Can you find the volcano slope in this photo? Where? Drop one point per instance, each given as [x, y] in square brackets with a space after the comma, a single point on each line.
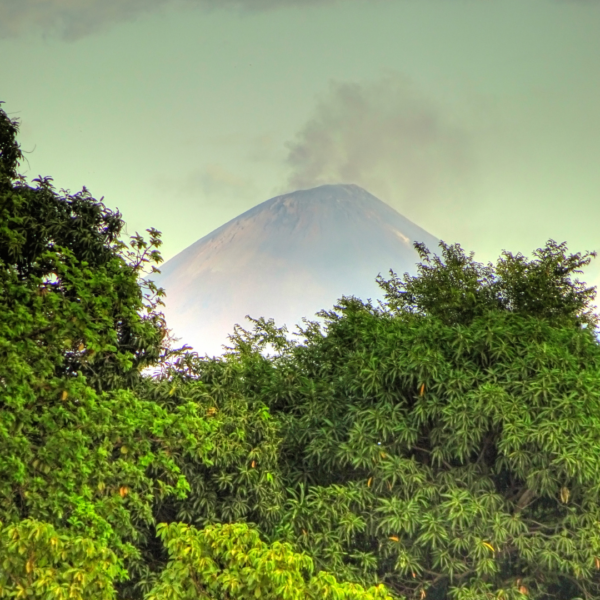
[286, 258]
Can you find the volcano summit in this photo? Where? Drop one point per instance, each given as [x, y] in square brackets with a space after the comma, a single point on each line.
[286, 258]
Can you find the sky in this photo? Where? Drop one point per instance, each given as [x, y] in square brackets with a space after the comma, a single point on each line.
[479, 120]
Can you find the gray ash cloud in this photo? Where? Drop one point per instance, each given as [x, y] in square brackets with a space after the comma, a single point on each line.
[383, 135]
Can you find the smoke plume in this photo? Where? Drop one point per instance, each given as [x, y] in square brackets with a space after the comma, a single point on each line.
[384, 136]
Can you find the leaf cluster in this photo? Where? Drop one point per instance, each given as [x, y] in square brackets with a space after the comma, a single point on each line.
[455, 288]
[230, 561]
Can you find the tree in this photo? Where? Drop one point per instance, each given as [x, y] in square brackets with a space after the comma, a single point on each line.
[447, 442]
[82, 454]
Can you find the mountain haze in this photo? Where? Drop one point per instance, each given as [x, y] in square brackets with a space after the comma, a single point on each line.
[286, 258]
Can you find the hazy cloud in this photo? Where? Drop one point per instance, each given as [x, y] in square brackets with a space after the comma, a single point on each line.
[213, 181]
[73, 19]
[384, 136]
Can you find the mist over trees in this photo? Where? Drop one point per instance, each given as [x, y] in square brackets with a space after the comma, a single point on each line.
[442, 444]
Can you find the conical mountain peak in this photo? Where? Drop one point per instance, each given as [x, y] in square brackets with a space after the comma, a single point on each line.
[286, 258]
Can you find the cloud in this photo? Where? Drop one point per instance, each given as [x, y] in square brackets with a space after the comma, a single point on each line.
[74, 19]
[216, 179]
[384, 136]
[71, 19]
[213, 181]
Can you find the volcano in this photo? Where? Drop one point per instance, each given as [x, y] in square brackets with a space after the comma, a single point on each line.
[286, 258]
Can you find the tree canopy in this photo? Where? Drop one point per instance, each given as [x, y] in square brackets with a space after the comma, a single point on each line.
[83, 455]
[444, 443]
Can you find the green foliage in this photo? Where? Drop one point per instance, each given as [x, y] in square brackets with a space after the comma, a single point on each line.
[445, 452]
[80, 450]
[38, 562]
[448, 442]
[240, 480]
[230, 561]
[10, 152]
[70, 289]
[445, 444]
[456, 289]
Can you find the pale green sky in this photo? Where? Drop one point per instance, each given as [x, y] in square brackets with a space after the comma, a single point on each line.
[479, 120]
